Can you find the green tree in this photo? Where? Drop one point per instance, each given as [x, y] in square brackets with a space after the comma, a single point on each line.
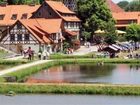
[133, 6]
[123, 4]
[86, 35]
[94, 14]
[110, 33]
[133, 33]
[12, 2]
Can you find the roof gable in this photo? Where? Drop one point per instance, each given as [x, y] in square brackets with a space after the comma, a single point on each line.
[114, 7]
[19, 10]
[59, 7]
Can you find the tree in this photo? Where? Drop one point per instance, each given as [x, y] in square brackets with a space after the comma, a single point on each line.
[15, 2]
[110, 33]
[123, 4]
[133, 33]
[86, 35]
[133, 6]
[94, 14]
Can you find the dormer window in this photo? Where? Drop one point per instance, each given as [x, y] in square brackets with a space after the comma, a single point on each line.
[24, 16]
[2, 17]
[50, 13]
[14, 17]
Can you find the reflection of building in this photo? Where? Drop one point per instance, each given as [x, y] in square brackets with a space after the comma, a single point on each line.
[123, 19]
[44, 26]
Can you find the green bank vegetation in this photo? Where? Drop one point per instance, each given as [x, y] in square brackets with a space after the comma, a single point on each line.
[106, 89]
[12, 62]
[21, 75]
[66, 56]
[70, 89]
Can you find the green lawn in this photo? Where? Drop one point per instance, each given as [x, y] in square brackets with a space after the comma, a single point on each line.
[3, 54]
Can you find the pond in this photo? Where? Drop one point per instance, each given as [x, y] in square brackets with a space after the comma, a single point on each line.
[69, 100]
[90, 73]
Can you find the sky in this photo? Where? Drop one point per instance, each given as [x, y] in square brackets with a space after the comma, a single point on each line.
[116, 1]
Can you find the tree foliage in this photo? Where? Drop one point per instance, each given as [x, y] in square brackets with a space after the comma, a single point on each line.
[94, 14]
[123, 4]
[86, 35]
[15, 2]
[133, 33]
[133, 6]
[110, 33]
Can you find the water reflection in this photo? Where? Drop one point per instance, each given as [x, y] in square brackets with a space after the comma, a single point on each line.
[69, 100]
[90, 73]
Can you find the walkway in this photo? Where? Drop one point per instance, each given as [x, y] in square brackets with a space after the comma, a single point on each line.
[84, 50]
[6, 71]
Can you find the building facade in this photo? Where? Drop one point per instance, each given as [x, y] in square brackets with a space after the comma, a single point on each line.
[46, 28]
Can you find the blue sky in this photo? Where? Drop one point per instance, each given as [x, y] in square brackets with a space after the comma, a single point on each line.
[116, 1]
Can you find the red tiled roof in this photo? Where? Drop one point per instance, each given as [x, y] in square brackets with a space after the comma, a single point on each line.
[71, 18]
[59, 6]
[47, 25]
[61, 9]
[9, 10]
[114, 7]
[127, 16]
[71, 33]
[42, 28]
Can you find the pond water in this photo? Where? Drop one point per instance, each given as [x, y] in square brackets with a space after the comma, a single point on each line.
[69, 100]
[90, 73]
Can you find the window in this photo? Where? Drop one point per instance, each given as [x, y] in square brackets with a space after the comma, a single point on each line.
[14, 17]
[19, 26]
[77, 24]
[39, 14]
[24, 16]
[12, 37]
[71, 25]
[74, 24]
[66, 24]
[26, 37]
[2, 17]
[54, 36]
[50, 13]
[19, 37]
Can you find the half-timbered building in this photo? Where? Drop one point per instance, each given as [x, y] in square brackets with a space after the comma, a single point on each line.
[45, 34]
[70, 22]
[46, 28]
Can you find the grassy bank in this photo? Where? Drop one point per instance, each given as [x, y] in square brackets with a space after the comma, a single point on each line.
[22, 74]
[66, 56]
[70, 89]
[12, 62]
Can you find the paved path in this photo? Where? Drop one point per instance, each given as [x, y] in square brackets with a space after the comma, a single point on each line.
[84, 50]
[6, 71]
